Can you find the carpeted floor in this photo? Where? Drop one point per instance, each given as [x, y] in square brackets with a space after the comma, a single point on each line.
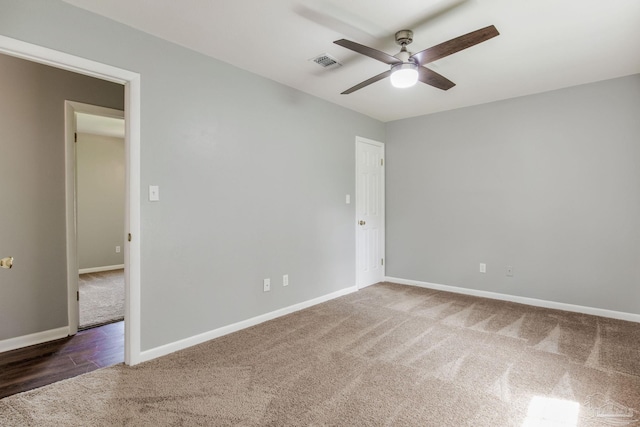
[386, 355]
[101, 297]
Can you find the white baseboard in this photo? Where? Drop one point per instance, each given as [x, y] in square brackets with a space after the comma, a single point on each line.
[33, 339]
[99, 269]
[216, 333]
[631, 317]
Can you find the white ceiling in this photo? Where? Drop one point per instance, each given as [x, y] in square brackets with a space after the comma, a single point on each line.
[543, 44]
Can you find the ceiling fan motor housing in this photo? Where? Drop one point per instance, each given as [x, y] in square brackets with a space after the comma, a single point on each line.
[404, 56]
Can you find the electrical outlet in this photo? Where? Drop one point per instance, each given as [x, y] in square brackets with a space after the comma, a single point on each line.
[267, 285]
[285, 280]
[509, 271]
[483, 267]
[117, 249]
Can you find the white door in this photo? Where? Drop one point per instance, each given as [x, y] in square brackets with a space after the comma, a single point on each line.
[369, 212]
[101, 121]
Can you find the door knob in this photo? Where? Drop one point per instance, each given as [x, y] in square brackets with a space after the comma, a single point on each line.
[6, 262]
[362, 222]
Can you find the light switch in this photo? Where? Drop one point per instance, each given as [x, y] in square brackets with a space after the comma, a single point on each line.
[348, 199]
[154, 193]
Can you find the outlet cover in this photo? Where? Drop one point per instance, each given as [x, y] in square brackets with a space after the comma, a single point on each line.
[267, 285]
[117, 249]
[509, 271]
[285, 280]
[483, 267]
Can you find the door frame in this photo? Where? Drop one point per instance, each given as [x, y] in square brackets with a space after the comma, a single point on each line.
[71, 194]
[361, 140]
[131, 82]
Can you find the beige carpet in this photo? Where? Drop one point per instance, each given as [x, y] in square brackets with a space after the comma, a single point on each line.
[387, 355]
[101, 297]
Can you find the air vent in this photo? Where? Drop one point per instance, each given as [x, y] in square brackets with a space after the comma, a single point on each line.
[326, 61]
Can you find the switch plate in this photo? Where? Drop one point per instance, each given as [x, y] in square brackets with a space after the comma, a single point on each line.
[117, 249]
[285, 280]
[483, 267]
[266, 285]
[348, 199]
[154, 193]
[509, 271]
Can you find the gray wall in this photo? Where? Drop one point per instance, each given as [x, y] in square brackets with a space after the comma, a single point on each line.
[100, 196]
[252, 176]
[33, 294]
[548, 184]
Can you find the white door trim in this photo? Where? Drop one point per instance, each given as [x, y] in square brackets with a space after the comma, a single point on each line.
[131, 82]
[361, 140]
[70, 108]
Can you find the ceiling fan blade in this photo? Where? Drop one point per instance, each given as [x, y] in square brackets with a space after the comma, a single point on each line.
[430, 77]
[455, 45]
[368, 51]
[367, 82]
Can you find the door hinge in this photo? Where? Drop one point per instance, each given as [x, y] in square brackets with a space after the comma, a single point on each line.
[75, 137]
[77, 295]
[129, 237]
[381, 261]
[381, 162]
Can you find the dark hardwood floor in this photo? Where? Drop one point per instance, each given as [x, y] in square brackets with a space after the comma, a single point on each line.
[32, 367]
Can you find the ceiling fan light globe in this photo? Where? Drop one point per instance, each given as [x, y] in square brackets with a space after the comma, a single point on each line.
[404, 75]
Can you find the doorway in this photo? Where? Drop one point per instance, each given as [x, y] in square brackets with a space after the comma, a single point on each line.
[370, 223]
[131, 82]
[99, 199]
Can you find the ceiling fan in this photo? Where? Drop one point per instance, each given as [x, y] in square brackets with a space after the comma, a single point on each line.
[407, 68]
